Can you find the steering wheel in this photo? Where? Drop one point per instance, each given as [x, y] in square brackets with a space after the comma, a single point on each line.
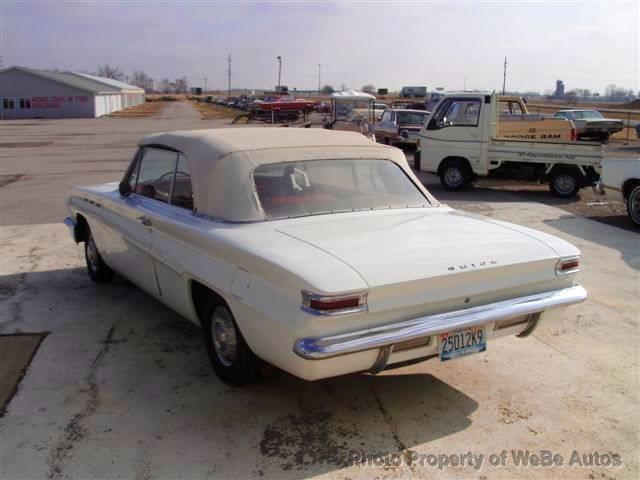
[178, 172]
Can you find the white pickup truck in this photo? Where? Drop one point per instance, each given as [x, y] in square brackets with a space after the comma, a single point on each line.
[459, 142]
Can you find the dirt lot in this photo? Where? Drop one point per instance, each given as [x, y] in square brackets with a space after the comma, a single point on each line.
[121, 387]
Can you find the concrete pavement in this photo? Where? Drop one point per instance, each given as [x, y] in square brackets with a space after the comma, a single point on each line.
[121, 386]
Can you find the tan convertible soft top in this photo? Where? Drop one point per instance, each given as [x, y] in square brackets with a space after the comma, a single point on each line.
[221, 161]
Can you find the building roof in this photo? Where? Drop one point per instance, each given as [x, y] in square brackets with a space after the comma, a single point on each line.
[109, 81]
[69, 79]
[353, 95]
[221, 161]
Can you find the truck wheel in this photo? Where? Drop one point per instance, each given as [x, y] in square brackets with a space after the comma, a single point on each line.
[98, 271]
[416, 160]
[604, 137]
[231, 358]
[455, 175]
[564, 183]
[633, 206]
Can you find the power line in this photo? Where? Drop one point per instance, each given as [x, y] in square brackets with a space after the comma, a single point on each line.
[229, 73]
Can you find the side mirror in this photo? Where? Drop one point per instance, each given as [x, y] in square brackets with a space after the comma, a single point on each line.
[124, 188]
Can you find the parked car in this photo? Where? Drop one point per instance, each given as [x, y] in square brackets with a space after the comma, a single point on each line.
[638, 130]
[316, 251]
[400, 126]
[620, 180]
[591, 123]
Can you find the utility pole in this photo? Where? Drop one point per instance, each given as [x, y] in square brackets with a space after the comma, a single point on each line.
[205, 84]
[464, 89]
[504, 76]
[229, 73]
[279, 72]
[319, 84]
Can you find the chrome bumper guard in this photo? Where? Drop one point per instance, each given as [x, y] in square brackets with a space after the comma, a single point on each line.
[385, 336]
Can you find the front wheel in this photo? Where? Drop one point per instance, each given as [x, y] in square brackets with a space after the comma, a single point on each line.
[455, 175]
[564, 183]
[231, 358]
[633, 206]
[99, 271]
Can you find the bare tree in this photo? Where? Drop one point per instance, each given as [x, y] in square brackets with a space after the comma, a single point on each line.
[181, 85]
[371, 89]
[343, 87]
[142, 80]
[109, 71]
[614, 92]
[164, 86]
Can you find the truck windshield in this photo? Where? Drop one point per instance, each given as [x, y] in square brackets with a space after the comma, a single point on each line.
[312, 187]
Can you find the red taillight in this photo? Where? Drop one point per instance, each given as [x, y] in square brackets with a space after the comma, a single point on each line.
[333, 304]
[568, 265]
[574, 135]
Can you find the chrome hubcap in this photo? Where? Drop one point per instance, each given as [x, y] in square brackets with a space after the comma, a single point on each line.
[225, 342]
[565, 183]
[453, 176]
[92, 254]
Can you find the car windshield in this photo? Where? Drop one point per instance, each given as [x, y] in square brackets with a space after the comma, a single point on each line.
[312, 187]
[587, 114]
[410, 117]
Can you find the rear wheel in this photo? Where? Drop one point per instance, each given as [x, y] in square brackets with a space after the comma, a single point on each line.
[633, 206]
[99, 271]
[604, 137]
[564, 183]
[455, 175]
[230, 356]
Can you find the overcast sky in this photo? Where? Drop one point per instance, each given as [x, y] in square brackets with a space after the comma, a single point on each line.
[587, 44]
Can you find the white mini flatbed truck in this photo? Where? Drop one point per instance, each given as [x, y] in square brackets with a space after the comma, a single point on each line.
[459, 143]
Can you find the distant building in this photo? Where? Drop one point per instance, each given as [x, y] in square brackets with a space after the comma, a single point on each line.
[31, 93]
[559, 88]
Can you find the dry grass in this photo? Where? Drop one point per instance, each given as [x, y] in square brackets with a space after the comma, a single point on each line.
[210, 110]
[143, 110]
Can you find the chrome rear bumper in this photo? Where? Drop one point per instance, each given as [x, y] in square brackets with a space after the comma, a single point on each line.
[385, 336]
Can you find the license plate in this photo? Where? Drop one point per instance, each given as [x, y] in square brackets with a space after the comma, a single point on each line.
[461, 342]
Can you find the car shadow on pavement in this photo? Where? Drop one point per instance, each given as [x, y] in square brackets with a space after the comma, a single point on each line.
[143, 382]
[628, 244]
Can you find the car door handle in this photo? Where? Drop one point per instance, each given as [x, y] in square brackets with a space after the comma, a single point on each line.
[144, 220]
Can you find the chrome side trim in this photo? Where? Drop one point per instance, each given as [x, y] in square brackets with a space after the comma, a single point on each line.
[326, 347]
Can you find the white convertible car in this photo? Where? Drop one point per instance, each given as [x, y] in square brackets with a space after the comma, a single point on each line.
[316, 251]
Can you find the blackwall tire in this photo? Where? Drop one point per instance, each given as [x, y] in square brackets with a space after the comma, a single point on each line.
[455, 176]
[633, 206]
[564, 183]
[231, 358]
[98, 271]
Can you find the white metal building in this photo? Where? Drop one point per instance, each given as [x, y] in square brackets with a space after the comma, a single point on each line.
[30, 93]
